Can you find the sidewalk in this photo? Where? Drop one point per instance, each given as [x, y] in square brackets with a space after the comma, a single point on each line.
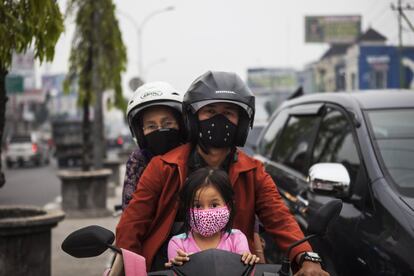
[64, 264]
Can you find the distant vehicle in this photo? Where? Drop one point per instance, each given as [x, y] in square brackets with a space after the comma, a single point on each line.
[67, 140]
[358, 147]
[26, 149]
[253, 138]
[120, 142]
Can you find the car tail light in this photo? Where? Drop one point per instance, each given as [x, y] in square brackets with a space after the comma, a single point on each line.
[119, 141]
[34, 148]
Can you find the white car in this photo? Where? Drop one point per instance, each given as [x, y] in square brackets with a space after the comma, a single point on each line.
[26, 149]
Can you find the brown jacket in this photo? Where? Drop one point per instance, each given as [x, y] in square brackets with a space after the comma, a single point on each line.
[146, 222]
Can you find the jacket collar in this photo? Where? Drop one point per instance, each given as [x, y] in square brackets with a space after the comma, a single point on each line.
[179, 157]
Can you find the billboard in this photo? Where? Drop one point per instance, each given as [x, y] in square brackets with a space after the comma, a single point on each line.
[332, 29]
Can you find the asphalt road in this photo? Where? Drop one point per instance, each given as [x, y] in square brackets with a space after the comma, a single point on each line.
[30, 185]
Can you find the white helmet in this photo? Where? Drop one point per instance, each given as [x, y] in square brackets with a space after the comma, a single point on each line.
[150, 94]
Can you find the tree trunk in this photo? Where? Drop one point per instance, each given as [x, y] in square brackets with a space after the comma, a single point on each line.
[86, 133]
[99, 148]
[3, 101]
[99, 140]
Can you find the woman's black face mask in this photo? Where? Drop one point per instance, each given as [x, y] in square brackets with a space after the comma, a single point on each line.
[163, 140]
[217, 132]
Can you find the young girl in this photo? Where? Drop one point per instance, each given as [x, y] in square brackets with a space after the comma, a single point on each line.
[207, 204]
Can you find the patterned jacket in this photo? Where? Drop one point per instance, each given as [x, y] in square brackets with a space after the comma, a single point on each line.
[137, 162]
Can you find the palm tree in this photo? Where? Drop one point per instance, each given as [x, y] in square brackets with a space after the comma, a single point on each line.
[24, 24]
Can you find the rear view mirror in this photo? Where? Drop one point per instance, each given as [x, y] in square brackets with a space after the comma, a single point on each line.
[87, 242]
[329, 179]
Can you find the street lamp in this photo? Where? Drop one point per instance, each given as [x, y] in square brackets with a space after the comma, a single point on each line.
[139, 29]
[139, 32]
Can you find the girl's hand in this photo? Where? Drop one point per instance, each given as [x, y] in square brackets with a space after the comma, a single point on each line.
[249, 258]
[180, 259]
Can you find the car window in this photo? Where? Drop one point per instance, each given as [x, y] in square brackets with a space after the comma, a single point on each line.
[269, 138]
[335, 143]
[295, 142]
[393, 131]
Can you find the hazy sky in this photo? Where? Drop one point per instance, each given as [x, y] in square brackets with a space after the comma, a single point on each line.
[229, 35]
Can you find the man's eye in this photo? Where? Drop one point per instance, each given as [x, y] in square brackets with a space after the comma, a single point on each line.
[151, 127]
[168, 124]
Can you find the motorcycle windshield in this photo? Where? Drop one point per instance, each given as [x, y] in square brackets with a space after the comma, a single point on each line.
[213, 262]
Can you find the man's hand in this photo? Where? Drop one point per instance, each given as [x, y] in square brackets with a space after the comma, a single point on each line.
[180, 259]
[249, 258]
[311, 269]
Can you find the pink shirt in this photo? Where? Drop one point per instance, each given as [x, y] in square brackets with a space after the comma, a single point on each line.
[235, 242]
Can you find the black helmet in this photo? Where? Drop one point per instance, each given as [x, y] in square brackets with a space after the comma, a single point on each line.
[213, 87]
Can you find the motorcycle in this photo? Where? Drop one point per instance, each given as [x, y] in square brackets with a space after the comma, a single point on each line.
[92, 241]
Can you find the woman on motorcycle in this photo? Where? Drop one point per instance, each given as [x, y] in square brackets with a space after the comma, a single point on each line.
[219, 110]
[207, 202]
[156, 124]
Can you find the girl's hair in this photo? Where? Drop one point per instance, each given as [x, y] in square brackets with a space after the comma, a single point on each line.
[202, 178]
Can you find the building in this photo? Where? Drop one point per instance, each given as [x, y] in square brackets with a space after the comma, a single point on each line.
[368, 63]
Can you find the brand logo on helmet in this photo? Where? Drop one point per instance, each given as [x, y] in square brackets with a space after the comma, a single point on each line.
[225, 92]
[151, 94]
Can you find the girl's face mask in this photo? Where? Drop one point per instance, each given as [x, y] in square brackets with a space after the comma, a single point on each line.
[207, 222]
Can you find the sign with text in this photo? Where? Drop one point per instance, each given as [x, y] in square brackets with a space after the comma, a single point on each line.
[332, 29]
[14, 84]
[272, 79]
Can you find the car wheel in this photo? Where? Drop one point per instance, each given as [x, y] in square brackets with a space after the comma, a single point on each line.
[9, 164]
[38, 162]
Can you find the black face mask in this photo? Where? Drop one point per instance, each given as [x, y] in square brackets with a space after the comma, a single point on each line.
[217, 132]
[163, 140]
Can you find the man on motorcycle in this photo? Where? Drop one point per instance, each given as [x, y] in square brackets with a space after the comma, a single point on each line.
[219, 110]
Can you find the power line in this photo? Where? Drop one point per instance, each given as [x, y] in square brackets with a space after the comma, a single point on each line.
[400, 9]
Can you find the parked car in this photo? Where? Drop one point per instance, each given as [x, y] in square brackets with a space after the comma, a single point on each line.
[25, 149]
[359, 147]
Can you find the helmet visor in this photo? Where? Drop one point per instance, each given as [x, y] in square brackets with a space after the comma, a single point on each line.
[197, 105]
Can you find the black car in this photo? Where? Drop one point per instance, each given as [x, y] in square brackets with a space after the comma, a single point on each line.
[358, 147]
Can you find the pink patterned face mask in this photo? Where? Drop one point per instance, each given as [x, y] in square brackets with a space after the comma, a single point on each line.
[207, 222]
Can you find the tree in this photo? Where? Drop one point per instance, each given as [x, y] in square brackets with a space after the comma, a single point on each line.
[24, 24]
[98, 57]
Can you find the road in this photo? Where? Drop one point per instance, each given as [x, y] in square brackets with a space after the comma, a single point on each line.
[36, 186]
[30, 185]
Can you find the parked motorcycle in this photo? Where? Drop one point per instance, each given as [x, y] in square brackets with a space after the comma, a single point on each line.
[93, 240]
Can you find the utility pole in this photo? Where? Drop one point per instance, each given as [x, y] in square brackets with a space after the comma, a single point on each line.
[401, 15]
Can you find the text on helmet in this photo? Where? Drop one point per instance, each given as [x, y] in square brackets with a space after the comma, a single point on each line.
[152, 94]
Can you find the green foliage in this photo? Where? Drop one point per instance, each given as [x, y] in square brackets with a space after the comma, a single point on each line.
[27, 23]
[97, 50]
